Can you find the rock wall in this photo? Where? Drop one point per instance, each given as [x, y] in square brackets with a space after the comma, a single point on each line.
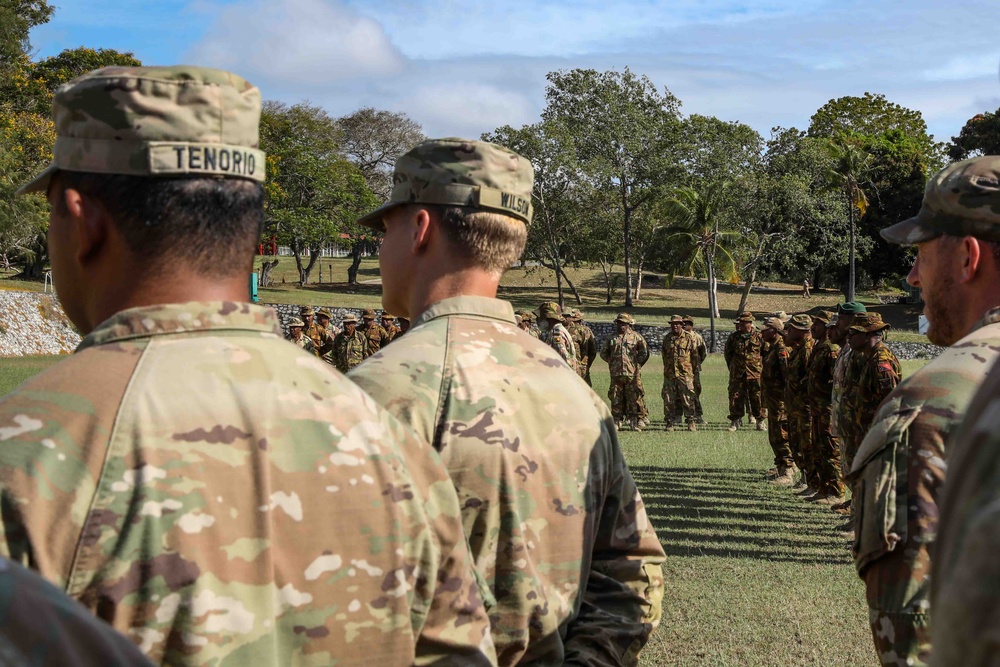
[33, 323]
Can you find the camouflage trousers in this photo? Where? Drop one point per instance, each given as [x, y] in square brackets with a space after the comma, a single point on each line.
[698, 412]
[777, 433]
[826, 453]
[901, 633]
[743, 391]
[628, 398]
[800, 442]
[678, 400]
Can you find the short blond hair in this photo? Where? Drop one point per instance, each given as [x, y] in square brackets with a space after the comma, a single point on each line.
[494, 241]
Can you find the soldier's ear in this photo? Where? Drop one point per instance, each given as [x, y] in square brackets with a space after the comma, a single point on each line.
[971, 255]
[421, 229]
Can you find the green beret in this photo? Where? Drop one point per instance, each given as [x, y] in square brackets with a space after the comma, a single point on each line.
[851, 308]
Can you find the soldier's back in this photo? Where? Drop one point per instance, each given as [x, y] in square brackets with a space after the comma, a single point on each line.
[217, 494]
[530, 448]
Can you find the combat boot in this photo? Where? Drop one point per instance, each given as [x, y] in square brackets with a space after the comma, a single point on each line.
[692, 427]
[669, 426]
[701, 420]
[734, 425]
[785, 478]
[827, 499]
[761, 425]
[634, 423]
[753, 420]
[643, 422]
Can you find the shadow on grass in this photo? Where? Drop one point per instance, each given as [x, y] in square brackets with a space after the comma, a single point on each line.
[731, 513]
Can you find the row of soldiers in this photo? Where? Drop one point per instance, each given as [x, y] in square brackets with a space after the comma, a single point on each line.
[347, 347]
[210, 494]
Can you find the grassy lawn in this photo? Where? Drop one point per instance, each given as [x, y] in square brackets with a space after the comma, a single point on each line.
[528, 287]
[755, 577]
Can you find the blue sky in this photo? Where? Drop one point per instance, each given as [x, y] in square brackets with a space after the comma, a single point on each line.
[462, 67]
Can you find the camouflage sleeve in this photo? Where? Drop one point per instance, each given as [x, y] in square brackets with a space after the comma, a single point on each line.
[727, 353]
[606, 350]
[702, 351]
[327, 345]
[641, 351]
[40, 625]
[621, 603]
[590, 349]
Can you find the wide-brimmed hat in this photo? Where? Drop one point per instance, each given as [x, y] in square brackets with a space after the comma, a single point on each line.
[295, 322]
[868, 323]
[677, 319]
[350, 319]
[625, 318]
[823, 316]
[387, 315]
[688, 320]
[324, 312]
[774, 323]
[306, 310]
[801, 322]
[744, 317]
[550, 310]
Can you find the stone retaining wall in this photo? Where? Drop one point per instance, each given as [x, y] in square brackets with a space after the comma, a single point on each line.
[33, 323]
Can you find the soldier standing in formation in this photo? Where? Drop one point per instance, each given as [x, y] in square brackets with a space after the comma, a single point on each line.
[773, 376]
[311, 329]
[743, 358]
[295, 327]
[350, 346]
[680, 357]
[187, 492]
[844, 394]
[404, 325]
[626, 352]
[699, 412]
[556, 524]
[819, 386]
[555, 335]
[585, 343]
[373, 332]
[391, 330]
[800, 345]
[900, 466]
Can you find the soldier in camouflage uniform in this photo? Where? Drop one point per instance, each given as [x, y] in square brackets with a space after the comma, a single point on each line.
[295, 335]
[324, 317]
[743, 358]
[373, 331]
[900, 468]
[553, 516]
[699, 412]
[40, 625]
[680, 357]
[350, 346]
[555, 335]
[585, 343]
[313, 331]
[200, 491]
[626, 353]
[773, 374]
[404, 325]
[391, 329]
[843, 395]
[819, 387]
[526, 322]
[800, 345]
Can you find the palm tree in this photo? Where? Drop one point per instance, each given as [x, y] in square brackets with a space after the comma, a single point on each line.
[701, 241]
[850, 168]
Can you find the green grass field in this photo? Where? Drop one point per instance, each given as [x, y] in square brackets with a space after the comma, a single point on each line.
[755, 577]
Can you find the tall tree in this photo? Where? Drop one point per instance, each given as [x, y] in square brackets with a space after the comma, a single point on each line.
[627, 137]
[558, 221]
[702, 242]
[17, 18]
[849, 172]
[314, 194]
[979, 136]
[373, 139]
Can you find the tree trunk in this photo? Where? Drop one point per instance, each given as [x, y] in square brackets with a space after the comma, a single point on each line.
[305, 271]
[850, 274]
[266, 268]
[712, 306]
[352, 270]
[572, 287]
[559, 289]
[627, 227]
[607, 267]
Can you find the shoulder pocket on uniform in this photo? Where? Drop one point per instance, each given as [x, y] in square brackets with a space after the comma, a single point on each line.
[878, 481]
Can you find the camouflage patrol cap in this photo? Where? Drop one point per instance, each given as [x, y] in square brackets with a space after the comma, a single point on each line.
[868, 323]
[823, 316]
[156, 121]
[306, 310]
[324, 312]
[625, 318]
[963, 199]
[774, 323]
[801, 322]
[368, 314]
[550, 310]
[295, 322]
[350, 319]
[460, 172]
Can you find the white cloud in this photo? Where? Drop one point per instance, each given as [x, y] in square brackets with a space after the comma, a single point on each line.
[304, 42]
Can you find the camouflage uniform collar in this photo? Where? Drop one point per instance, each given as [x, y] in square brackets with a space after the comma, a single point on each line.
[476, 306]
[173, 318]
[991, 317]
